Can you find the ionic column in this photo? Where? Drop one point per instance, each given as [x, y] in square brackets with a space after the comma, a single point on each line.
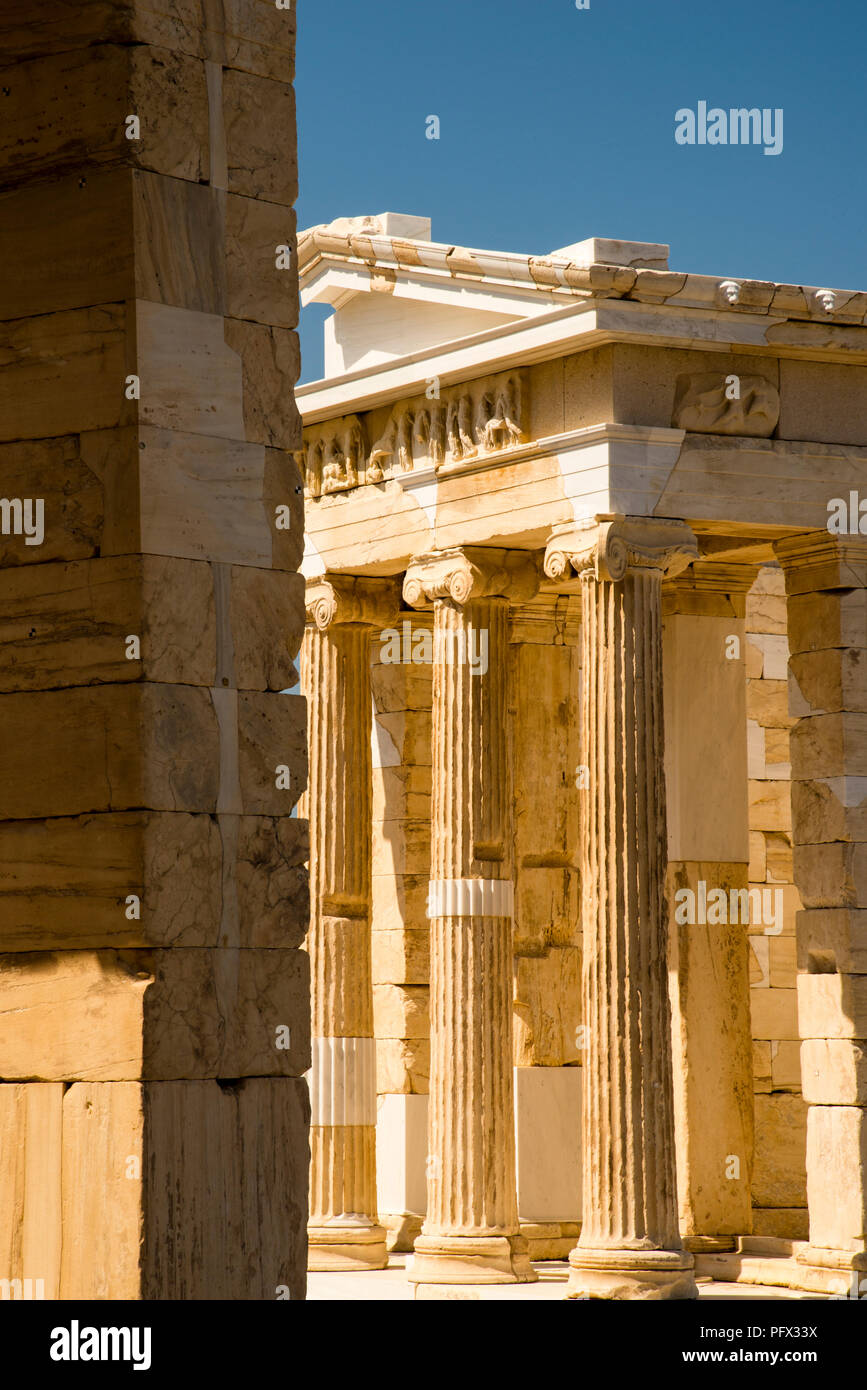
[335, 674]
[471, 1233]
[826, 587]
[630, 1246]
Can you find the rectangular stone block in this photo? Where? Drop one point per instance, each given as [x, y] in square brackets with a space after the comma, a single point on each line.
[832, 681]
[833, 939]
[284, 509]
[68, 111]
[153, 1015]
[401, 957]
[71, 624]
[837, 1176]
[270, 360]
[273, 890]
[768, 703]
[829, 809]
[832, 875]
[267, 620]
[547, 1008]
[404, 790]
[252, 35]
[548, 1143]
[834, 1071]
[832, 1006]
[202, 498]
[774, 1013]
[401, 1011]
[758, 863]
[782, 962]
[55, 472]
[779, 1171]
[112, 748]
[770, 806]
[66, 882]
[830, 745]
[765, 612]
[400, 904]
[255, 111]
[147, 1166]
[64, 373]
[192, 380]
[272, 751]
[786, 1067]
[819, 621]
[257, 288]
[30, 1190]
[547, 910]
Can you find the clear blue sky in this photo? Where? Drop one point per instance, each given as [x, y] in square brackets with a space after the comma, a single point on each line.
[558, 124]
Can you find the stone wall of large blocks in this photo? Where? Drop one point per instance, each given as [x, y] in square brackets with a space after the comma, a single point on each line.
[779, 1177]
[154, 1012]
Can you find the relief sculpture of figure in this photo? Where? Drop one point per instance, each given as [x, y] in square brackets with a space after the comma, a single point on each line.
[333, 472]
[382, 453]
[504, 427]
[437, 434]
[313, 467]
[484, 421]
[459, 428]
[356, 451]
[404, 441]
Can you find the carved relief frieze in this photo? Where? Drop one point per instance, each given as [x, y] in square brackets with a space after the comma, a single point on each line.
[467, 422]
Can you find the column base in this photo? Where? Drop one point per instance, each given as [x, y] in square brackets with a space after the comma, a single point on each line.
[825, 1258]
[344, 1246]
[709, 1245]
[471, 1260]
[631, 1274]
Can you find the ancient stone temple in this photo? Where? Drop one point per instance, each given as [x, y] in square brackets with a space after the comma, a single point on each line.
[585, 661]
[154, 1020]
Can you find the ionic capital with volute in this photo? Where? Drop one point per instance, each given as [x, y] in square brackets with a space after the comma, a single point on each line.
[471, 572]
[611, 546]
[341, 598]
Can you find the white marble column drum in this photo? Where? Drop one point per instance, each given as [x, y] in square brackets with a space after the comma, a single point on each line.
[335, 672]
[471, 1233]
[630, 1245]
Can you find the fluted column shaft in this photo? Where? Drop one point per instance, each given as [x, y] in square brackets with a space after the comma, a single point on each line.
[343, 1231]
[471, 1232]
[629, 1244]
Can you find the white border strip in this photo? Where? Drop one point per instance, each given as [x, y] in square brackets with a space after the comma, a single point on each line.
[471, 897]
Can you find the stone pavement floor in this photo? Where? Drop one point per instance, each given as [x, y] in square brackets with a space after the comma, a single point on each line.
[391, 1285]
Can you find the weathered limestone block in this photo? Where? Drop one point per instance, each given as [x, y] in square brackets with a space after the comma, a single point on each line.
[69, 624]
[774, 1012]
[401, 791]
[833, 875]
[256, 288]
[834, 1071]
[192, 381]
[399, 901]
[153, 1015]
[221, 1172]
[402, 1066]
[832, 1006]
[66, 882]
[265, 602]
[782, 970]
[30, 1192]
[246, 34]
[837, 1176]
[831, 681]
[55, 471]
[768, 703]
[823, 620]
[65, 372]
[830, 746]
[92, 764]
[68, 110]
[272, 735]
[766, 605]
[833, 939]
[400, 957]
[832, 808]
[401, 1011]
[547, 911]
[272, 887]
[547, 1008]
[255, 111]
[202, 498]
[282, 488]
[779, 1172]
[270, 363]
[770, 806]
